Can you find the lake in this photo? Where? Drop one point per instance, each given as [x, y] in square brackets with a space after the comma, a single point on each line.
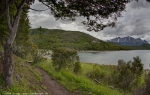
[112, 57]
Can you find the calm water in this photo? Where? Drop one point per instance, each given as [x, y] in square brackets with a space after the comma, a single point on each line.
[112, 57]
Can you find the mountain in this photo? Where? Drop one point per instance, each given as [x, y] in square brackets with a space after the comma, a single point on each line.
[53, 38]
[128, 41]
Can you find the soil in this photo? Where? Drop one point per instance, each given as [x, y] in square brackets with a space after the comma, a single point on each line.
[52, 86]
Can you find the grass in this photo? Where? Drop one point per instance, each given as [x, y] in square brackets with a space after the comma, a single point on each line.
[107, 69]
[1, 85]
[79, 83]
[30, 79]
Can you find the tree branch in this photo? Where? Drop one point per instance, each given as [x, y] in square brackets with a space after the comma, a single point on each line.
[13, 28]
[18, 14]
[8, 16]
[44, 4]
[47, 4]
[38, 10]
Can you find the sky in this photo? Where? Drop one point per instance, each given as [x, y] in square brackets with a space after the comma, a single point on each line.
[135, 22]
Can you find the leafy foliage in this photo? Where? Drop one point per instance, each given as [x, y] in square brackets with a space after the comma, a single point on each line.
[64, 58]
[37, 55]
[99, 10]
[19, 51]
[142, 47]
[144, 89]
[127, 74]
[96, 11]
[3, 30]
[51, 39]
[77, 67]
[147, 88]
[96, 74]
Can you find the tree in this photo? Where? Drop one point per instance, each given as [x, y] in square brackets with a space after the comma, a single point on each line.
[13, 15]
[96, 11]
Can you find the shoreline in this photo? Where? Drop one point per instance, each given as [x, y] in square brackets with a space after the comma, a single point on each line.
[104, 50]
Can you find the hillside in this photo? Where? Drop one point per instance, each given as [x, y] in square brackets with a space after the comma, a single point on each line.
[142, 47]
[52, 38]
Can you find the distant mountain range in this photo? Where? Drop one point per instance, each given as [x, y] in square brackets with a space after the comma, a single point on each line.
[128, 41]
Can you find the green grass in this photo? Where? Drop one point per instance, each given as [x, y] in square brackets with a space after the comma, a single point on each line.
[107, 69]
[1, 85]
[78, 83]
[30, 79]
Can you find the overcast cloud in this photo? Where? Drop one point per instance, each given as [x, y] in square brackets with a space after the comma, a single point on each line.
[135, 22]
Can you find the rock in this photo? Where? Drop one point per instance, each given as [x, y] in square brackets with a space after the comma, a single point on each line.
[90, 93]
[22, 65]
[29, 61]
[98, 82]
[112, 87]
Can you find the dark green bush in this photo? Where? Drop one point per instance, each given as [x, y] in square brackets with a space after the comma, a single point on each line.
[127, 74]
[143, 89]
[96, 74]
[64, 58]
[147, 83]
[77, 67]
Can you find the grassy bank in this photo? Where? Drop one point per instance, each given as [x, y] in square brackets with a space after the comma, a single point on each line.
[26, 80]
[80, 83]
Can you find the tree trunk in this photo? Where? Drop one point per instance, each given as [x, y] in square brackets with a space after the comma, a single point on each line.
[8, 49]
[8, 64]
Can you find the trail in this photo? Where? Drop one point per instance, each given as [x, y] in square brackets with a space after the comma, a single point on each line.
[53, 87]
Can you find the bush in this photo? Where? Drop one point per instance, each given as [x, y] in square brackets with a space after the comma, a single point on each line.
[77, 67]
[19, 51]
[147, 83]
[127, 74]
[37, 56]
[64, 58]
[140, 91]
[96, 74]
[145, 88]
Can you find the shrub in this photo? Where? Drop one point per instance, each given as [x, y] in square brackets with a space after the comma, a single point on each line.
[140, 91]
[19, 51]
[127, 74]
[147, 83]
[145, 88]
[64, 58]
[37, 56]
[96, 74]
[77, 67]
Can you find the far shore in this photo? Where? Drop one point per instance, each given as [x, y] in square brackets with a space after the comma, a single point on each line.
[100, 50]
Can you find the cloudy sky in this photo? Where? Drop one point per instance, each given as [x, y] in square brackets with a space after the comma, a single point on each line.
[135, 22]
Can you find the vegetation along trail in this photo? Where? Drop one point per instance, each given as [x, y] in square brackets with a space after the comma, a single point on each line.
[53, 87]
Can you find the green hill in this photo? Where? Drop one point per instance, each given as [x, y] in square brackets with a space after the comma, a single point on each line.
[52, 38]
[142, 47]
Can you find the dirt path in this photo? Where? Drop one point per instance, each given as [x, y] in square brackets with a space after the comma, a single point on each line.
[53, 87]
